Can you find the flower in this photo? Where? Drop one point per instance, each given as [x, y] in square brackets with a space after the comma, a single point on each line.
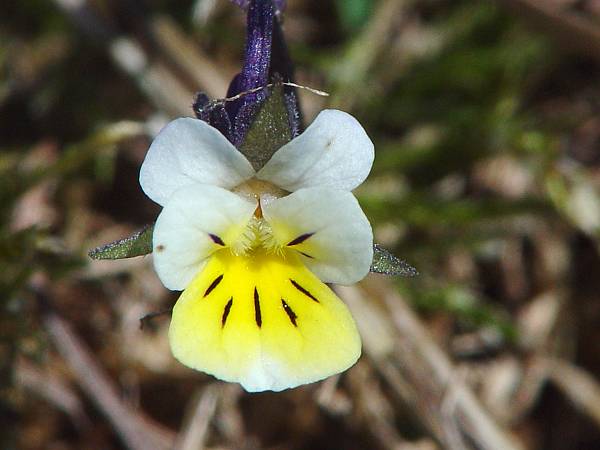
[252, 249]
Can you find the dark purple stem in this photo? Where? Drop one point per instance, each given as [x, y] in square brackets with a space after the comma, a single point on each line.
[266, 59]
[279, 4]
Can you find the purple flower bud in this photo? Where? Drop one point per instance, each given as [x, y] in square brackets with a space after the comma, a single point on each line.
[266, 60]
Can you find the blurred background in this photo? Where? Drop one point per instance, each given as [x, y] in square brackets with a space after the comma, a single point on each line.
[487, 179]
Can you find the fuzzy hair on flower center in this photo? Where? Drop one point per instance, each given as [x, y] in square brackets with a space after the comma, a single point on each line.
[258, 236]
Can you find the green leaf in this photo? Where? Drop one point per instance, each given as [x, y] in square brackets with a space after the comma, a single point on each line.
[269, 131]
[389, 264]
[137, 244]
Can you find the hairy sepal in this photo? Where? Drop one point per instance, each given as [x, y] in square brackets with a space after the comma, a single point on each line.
[138, 244]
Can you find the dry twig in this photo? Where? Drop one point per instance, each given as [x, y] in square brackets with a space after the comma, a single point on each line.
[423, 376]
[53, 389]
[194, 432]
[578, 386]
[204, 72]
[572, 31]
[136, 432]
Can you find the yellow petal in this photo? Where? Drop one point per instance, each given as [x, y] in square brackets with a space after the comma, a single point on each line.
[264, 321]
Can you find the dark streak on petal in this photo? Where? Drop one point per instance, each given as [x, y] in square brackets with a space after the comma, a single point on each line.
[257, 315]
[291, 314]
[306, 254]
[300, 239]
[304, 291]
[216, 239]
[213, 285]
[226, 312]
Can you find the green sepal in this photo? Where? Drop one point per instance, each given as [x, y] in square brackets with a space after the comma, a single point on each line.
[269, 131]
[389, 264]
[138, 244]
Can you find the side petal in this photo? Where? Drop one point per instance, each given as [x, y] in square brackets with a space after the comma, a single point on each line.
[257, 328]
[189, 151]
[328, 229]
[334, 151]
[197, 221]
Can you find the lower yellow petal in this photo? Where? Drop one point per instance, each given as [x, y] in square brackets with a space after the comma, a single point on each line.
[264, 321]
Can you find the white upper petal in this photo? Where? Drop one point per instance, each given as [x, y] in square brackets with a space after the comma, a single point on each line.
[334, 151]
[189, 151]
[182, 235]
[339, 248]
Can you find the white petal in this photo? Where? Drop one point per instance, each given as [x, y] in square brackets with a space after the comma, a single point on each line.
[336, 237]
[182, 235]
[189, 151]
[334, 151]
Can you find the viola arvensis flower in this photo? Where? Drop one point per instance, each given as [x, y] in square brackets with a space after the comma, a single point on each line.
[257, 217]
[252, 250]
